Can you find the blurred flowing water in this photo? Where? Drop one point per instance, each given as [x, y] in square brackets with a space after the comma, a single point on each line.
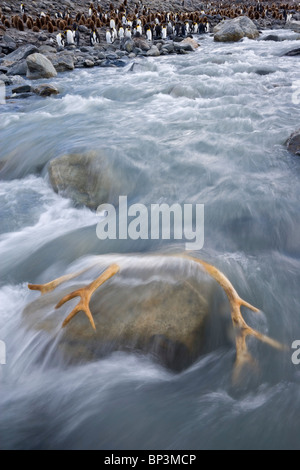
[206, 128]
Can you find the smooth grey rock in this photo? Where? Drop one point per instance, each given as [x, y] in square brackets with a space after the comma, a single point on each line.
[89, 63]
[39, 67]
[142, 44]
[183, 47]
[235, 29]
[86, 179]
[153, 52]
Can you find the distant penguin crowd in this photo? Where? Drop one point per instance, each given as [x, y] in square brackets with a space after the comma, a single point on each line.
[129, 18]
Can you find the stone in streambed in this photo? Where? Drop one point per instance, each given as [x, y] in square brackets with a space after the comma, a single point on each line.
[153, 52]
[39, 67]
[46, 90]
[236, 29]
[293, 143]
[191, 42]
[293, 53]
[22, 89]
[87, 179]
[161, 308]
[89, 63]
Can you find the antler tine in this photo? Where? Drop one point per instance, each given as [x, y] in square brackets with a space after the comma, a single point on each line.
[50, 286]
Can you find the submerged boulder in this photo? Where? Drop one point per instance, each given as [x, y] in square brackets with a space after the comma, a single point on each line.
[154, 305]
[84, 178]
[92, 178]
[236, 29]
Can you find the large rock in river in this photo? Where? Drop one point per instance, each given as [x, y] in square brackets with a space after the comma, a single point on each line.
[84, 178]
[92, 178]
[39, 67]
[156, 305]
[236, 29]
[293, 143]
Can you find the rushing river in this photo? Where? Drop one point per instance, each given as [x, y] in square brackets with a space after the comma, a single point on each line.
[209, 128]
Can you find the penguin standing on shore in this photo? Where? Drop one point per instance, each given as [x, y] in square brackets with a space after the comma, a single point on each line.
[114, 34]
[94, 37]
[139, 29]
[128, 33]
[108, 36]
[60, 40]
[164, 32]
[149, 34]
[22, 9]
[70, 37]
[121, 32]
[158, 31]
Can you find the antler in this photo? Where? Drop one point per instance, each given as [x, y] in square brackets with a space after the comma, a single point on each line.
[243, 330]
[85, 294]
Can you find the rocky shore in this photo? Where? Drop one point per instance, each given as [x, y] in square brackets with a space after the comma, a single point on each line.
[33, 29]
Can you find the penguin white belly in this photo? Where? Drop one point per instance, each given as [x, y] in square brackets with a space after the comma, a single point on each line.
[108, 37]
[59, 40]
[149, 35]
[70, 38]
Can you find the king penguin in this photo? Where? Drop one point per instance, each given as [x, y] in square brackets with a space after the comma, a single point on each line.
[108, 36]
